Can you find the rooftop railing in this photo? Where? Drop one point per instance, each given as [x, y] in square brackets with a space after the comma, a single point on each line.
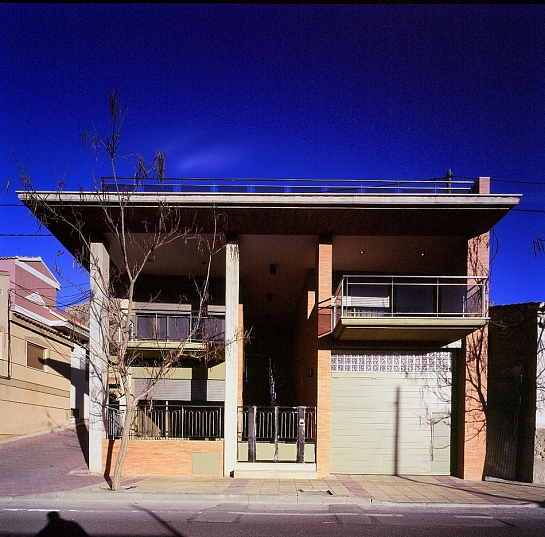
[409, 296]
[286, 186]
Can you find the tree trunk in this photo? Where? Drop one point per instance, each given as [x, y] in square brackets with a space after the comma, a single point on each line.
[123, 445]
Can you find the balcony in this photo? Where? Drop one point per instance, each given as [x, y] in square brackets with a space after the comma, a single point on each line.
[168, 329]
[438, 309]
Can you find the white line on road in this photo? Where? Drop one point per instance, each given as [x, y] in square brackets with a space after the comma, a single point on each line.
[291, 513]
[474, 516]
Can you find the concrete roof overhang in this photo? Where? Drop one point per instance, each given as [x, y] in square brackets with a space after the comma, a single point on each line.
[464, 215]
[381, 233]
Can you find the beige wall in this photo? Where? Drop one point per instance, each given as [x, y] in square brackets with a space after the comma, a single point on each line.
[34, 400]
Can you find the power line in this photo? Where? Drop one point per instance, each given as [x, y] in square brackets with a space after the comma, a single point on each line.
[37, 235]
[528, 210]
[519, 182]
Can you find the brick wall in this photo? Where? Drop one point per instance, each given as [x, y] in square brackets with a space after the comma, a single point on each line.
[324, 289]
[160, 458]
[476, 367]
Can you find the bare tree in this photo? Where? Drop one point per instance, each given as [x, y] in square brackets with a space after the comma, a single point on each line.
[539, 244]
[135, 251]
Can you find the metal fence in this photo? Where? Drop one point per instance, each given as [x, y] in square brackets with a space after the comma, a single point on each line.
[190, 422]
[286, 186]
[279, 423]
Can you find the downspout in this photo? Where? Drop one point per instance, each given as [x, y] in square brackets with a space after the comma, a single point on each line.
[8, 376]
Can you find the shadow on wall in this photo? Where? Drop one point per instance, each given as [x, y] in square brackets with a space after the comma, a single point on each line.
[62, 368]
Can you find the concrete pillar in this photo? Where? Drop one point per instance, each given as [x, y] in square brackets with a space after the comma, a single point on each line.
[98, 351]
[231, 356]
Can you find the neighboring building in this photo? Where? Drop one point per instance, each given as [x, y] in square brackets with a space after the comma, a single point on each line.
[516, 399]
[42, 353]
[367, 305]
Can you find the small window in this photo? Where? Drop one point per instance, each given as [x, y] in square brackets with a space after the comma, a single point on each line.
[35, 356]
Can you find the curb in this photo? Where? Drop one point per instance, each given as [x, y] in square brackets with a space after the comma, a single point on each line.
[258, 499]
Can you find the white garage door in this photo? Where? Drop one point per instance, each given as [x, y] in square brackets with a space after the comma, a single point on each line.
[390, 412]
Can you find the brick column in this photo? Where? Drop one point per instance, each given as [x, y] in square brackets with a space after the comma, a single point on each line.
[476, 365]
[324, 265]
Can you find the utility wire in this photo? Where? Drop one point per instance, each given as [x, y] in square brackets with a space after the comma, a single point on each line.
[26, 235]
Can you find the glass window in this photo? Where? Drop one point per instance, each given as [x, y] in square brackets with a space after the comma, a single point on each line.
[151, 327]
[178, 328]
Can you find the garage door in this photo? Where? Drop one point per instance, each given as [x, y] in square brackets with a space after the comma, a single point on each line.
[390, 412]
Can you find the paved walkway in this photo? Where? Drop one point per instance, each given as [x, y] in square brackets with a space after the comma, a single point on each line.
[53, 466]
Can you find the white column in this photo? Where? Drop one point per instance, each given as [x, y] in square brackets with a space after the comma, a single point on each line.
[231, 357]
[98, 351]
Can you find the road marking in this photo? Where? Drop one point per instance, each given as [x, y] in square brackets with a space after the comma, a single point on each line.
[37, 510]
[384, 514]
[474, 516]
[288, 513]
[292, 513]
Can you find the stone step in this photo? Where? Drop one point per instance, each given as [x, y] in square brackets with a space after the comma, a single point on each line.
[272, 470]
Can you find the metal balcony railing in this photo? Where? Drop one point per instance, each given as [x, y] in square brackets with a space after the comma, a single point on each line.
[409, 296]
[189, 328]
[285, 186]
[160, 422]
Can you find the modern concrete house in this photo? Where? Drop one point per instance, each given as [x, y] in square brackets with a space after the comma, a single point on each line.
[367, 305]
[42, 352]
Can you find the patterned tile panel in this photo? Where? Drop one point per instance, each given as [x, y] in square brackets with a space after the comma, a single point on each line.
[395, 362]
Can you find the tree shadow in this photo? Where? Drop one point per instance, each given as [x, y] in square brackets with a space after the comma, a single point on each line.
[163, 523]
[108, 465]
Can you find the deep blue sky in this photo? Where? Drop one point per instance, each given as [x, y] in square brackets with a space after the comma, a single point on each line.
[370, 92]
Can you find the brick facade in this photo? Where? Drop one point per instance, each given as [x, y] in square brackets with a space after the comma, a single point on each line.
[476, 367]
[323, 302]
[161, 458]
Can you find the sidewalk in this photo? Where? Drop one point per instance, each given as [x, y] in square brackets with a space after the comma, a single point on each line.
[52, 466]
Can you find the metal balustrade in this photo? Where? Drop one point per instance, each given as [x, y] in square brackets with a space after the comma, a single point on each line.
[277, 425]
[268, 418]
[159, 422]
[190, 328]
[409, 296]
[188, 185]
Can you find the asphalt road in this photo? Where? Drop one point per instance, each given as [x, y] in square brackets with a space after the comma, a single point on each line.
[20, 518]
